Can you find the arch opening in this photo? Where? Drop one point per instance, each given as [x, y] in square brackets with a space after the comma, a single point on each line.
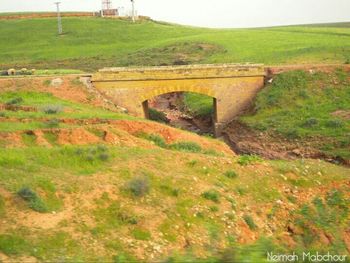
[191, 111]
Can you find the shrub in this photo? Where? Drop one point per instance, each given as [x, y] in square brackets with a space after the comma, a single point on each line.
[139, 186]
[158, 116]
[27, 194]
[38, 205]
[311, 122]
[250, 222]
[14, 101]
[231, 174]
[35, 202]
[47, 82]
[186, 147]
[248, 159]
[2, 114]
[157, 139]
[292, 133]
[52, 109]
[212, 195]
[103, 156]
[214, 209]
[335, 123]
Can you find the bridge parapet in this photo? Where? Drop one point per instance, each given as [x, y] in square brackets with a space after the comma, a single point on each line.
[179, 72]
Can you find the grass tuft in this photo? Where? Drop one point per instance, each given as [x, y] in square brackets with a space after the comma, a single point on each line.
[212, 195]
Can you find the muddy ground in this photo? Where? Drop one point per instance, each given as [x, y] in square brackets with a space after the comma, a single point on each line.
[239, 136]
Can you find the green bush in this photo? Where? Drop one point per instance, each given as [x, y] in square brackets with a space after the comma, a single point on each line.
[248, 159]
[250, 222]
[231, 174]
[158, 116]
[52, 109]
[27, 194]
[212, 195]
[311, 122]
[139, 186]
[35, 202]
[14, 101]
[2, 114]
[94, 154]
[186, 147]
[157, 139]
[38, 205]
[12, 245]
[335, 123]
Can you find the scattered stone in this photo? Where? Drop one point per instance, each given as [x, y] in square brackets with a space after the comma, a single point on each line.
[56, 82]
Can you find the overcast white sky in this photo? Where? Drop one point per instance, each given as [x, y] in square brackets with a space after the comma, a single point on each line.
[210, 13]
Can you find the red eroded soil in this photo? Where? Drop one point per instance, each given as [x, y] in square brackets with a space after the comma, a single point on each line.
[114, 132]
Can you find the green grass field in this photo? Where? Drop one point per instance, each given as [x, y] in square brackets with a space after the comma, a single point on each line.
[92, 43]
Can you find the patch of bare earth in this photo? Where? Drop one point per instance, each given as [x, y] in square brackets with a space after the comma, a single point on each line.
[244, 140]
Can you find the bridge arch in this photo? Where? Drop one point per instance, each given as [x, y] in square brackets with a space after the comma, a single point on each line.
[145, 99]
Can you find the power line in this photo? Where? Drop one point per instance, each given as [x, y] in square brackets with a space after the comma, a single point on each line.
[59, 20]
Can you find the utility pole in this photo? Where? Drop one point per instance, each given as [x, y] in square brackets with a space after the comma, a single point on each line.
[133, 10]
[59, 20]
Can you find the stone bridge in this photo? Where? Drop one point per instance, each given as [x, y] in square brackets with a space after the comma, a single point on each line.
[233, 87]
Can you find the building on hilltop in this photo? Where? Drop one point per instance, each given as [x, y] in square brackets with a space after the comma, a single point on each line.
[108, 10]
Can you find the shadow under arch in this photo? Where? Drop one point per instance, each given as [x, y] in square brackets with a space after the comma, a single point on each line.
[159, 92]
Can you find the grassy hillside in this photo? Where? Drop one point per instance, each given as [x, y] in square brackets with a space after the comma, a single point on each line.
[92, 43]
[90, 185]
[304, 106]
[300, 106]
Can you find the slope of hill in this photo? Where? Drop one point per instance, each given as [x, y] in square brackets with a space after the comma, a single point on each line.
[105, 187]
[92, 43]
[300, 113]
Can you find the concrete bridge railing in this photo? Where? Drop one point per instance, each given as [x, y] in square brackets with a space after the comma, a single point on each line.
[232, 86]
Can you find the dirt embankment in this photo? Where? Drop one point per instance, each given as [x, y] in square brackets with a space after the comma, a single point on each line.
[44, 15]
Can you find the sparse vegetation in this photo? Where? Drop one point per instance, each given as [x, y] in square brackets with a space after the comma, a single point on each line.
[250, 222]
[141, 234]
[53, 123]
[14, 101]
[212, 195]
[158, 116]
[52, 109]
[248, 159]
[35, 202]
[139, 186]
[186, 147]
[155, 138]
[231, 174]
[303, 105]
